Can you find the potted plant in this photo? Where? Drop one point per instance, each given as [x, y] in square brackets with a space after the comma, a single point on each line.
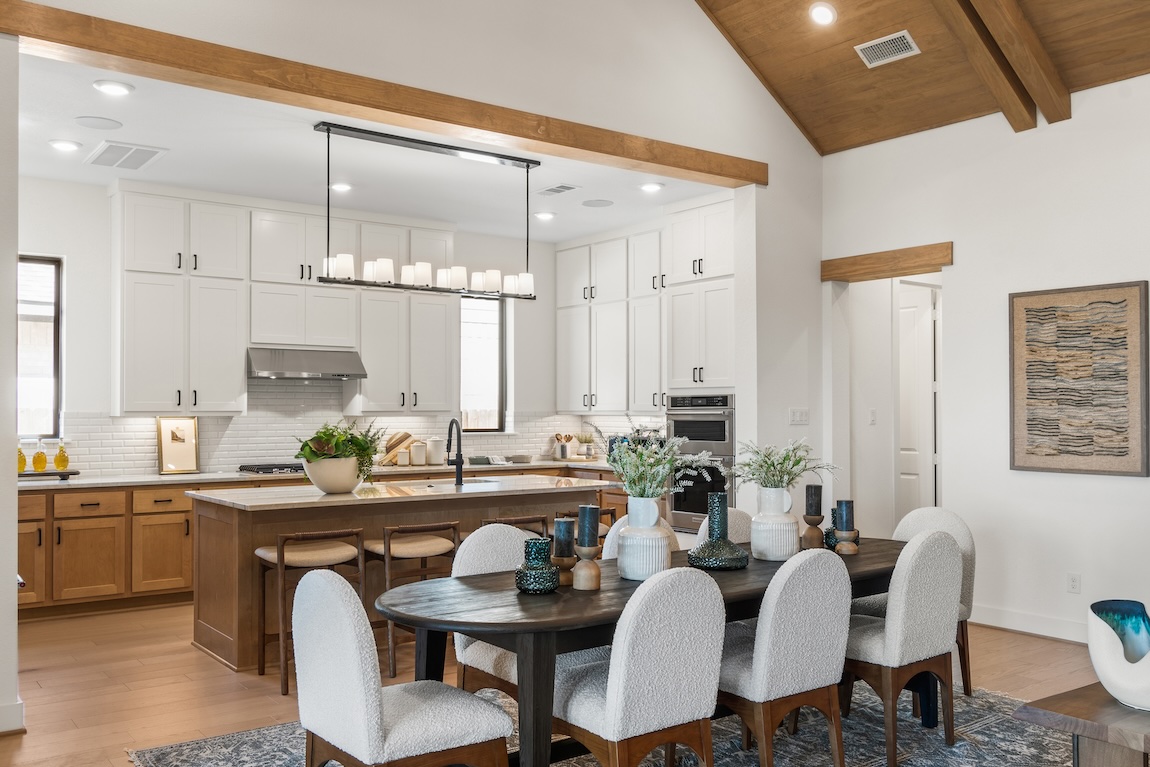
[650, 465]
[338, 456]
[774, 532]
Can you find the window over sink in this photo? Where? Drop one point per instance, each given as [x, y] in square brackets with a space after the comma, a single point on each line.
[38, 346]
[481, 364]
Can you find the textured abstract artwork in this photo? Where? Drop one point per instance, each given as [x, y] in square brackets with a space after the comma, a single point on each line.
[1078, 380]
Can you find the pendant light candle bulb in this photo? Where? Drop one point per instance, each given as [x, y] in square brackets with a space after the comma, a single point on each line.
[369, 271]
[493, 281]
[423, 273]
[344, 266]
[478, 282]
[526, 284]
[442, 278]
[407, 274]
[384, 270]
[510, 284]
[459, 278]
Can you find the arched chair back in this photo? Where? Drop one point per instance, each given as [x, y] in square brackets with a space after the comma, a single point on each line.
[493, 548]
[922, 602]
[937, 518]
[738, 528]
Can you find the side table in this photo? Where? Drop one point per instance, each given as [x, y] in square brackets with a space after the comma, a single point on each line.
[1105, 732]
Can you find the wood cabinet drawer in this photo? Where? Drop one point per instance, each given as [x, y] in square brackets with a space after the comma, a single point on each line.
[103, 504]
[583, 473]
[159, 501]
[32, 507]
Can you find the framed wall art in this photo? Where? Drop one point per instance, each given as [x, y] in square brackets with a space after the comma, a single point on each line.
[179, 444]
[1078, 377]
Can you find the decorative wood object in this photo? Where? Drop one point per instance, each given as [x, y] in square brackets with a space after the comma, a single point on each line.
[586, 575]
[1078, 380]
[565, 565]
[922, 259]
[847, 542]
[813, 535]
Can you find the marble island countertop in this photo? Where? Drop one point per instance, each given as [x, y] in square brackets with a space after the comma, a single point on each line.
[308, 497]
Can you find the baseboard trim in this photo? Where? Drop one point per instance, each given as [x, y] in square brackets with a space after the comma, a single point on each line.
[12, 718]
[1030, 623]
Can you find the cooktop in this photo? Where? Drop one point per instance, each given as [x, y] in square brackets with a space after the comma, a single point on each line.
[272, 468]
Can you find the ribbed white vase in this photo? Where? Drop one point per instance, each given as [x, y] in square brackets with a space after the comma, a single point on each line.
[644, 544]
[774, 532]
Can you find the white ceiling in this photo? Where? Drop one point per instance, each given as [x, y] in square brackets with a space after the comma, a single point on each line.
[243, 146]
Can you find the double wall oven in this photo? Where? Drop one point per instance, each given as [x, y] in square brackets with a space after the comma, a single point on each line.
[707, 421]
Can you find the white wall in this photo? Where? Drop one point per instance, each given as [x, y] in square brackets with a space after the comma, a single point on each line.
[11, 709]
[1063, 205]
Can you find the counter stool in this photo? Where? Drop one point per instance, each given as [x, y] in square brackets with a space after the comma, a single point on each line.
[534, 524]
[301, 551]
[409, 542]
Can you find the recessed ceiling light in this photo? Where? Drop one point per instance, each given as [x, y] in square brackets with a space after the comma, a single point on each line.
[651, 187]
[597, 203]
[98, 123]
[64, 145]
[544, 216]
[340, 187]
[113, 88]
[823, 13]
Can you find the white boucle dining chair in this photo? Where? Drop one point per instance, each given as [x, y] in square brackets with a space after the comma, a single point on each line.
[611, 541]
[659, 684]
[914, 637]
[774, 669]
[936, 518]
[350, 718]
[738, 527]
[497, 548]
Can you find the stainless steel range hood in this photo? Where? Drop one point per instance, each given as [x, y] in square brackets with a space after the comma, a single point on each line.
[305, 363]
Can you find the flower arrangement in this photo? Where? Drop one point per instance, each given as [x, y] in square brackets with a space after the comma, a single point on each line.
[772, 466]
[344, 440]
[646, 461]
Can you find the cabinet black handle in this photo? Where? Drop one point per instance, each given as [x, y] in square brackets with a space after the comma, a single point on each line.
[87, 505]
[584, 294]
[662, 280]
[700, 375]
[695, 375]
[654, 399]
[584, 400]
[402, 398]
[695, 266]
[592, 400]
[415, 399]
[592, 291]
[700, 266]
[187, 526]
[57, 535]
[161, 500]
[195, 397]
[653, 285]
[301, 271]
[39, 536]
[664, 399]
[179, 260]
[309, 271]
[177, 396]
[195, 262]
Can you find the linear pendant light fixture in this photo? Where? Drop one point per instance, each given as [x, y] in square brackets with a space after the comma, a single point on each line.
[381, 272]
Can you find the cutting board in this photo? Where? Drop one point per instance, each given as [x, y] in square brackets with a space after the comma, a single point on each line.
[401, 441]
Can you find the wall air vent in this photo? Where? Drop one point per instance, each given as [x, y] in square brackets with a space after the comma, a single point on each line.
[115, 154]
[887, 49]
[557, 189]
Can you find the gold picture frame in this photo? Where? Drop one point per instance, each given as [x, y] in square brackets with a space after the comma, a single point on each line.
[178, 443]
[1078, 362]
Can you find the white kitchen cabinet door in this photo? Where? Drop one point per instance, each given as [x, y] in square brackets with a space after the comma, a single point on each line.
[683, 334]
[220, 239]
[383, 347]
[573, 276]
[344, 238]
[645, 370]
[700, 243]
[609, 357]
[609, 270]
[279, 247]
[573, 359]
[331, 316]
[277, 314]
[434, 246]
[434, 358]
[154, 374]
[718, 257]
[154, 231]
[644, 265]
[217, 345]
[684, 247]
[383, 241]
[716, 340]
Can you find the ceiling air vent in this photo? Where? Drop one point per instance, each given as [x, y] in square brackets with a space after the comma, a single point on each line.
[887, 49]
[557, 189]
[114, 154]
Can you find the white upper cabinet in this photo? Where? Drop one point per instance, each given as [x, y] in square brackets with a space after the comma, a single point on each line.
[701, 243]
[434, 359]
[383, 241]
[644, 265]
[331, 316]
[645, 363]
[220, 239]
[573, 358]
[573, 276]
[434, 246]
[217, 345]
[154, 375]
[343, 237]
[277, 314]
[609, 270]
[609, 357]
[154, 231]
[383, 347]
[279, 247]
[700, 321]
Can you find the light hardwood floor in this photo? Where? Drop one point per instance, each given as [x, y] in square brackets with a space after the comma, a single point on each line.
[96, 686]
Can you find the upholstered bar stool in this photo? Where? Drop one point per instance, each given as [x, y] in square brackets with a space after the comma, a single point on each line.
[409, 543]
[301, 551]
[536, 523]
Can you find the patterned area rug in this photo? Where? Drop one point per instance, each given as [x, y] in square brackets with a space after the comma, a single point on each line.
[987, 737]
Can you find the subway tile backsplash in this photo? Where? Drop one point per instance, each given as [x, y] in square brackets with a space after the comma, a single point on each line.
[279, 413]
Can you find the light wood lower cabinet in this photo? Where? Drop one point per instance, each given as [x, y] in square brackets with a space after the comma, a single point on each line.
[89, 557]
[31, 562]
[162, 551]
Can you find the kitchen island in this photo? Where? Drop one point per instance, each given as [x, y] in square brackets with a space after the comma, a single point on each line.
[231, 523]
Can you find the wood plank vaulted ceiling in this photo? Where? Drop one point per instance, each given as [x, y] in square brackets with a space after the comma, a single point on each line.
[1016, 57]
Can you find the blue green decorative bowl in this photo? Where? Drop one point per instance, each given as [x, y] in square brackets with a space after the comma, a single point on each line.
[1118, 636]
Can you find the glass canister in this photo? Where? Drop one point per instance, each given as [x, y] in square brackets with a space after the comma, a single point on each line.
[60, 461]
[537, 575]
[40, 458]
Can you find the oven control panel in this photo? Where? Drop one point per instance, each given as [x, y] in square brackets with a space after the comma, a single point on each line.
[702, 401]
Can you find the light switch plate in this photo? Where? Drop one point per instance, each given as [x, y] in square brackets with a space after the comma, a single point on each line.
[800, 416]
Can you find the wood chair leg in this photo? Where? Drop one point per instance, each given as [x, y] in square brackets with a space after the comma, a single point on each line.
[669, 755]
[765, 734]
[835, 726]
[745, 731]
[261, 622]
[283, 621]
[946, 682]
[846, 693]
[793, 721]
[391, 649]
[915, 706]
[889, 695]
[704, 748]
[963, 641]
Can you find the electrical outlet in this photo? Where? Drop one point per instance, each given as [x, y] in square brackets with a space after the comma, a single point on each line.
[800, 416]
[873, 416]
[1073, 583]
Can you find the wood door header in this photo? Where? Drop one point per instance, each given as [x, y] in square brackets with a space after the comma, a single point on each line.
[69, 36]
[922, 259]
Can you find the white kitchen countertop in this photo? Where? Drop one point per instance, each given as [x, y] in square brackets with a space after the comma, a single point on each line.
[309, 497]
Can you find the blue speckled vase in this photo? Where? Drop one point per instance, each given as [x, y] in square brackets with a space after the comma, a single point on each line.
[1118, 636]
[537, 575]
[717, 552]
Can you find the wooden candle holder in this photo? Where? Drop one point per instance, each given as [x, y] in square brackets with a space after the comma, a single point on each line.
[813, 535]
[847, 542]
[586, 575]
[566, 576]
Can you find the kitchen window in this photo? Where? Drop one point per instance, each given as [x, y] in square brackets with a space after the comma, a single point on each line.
[481, 379]
[38, 381]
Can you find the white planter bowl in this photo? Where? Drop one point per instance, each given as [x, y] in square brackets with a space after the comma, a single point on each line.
[1118, 635]
[333, 475]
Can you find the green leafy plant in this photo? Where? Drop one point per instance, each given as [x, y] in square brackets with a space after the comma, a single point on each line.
[649, 463]
[343, 440]
[772, 466]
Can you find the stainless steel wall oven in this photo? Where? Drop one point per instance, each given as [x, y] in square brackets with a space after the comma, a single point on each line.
[708, 423]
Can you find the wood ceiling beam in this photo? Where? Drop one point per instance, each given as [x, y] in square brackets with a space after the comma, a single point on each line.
[989, 62]
[93, 41]
[1026, 54]
[922, 259]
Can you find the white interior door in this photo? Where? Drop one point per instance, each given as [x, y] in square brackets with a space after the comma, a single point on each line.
[916, 396]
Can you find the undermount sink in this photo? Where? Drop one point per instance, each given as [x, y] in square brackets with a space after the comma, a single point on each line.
[441, 485]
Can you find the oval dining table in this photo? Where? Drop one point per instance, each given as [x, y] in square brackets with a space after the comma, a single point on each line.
[538, 626]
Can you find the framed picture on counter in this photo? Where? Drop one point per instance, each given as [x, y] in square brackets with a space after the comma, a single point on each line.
[179, 444]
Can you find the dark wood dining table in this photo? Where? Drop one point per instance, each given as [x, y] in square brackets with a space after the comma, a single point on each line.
[538, 627]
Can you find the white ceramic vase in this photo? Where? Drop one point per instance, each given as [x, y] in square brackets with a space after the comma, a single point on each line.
[1118, 636]
[774, 532]
[333, 475]
[644, 544]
